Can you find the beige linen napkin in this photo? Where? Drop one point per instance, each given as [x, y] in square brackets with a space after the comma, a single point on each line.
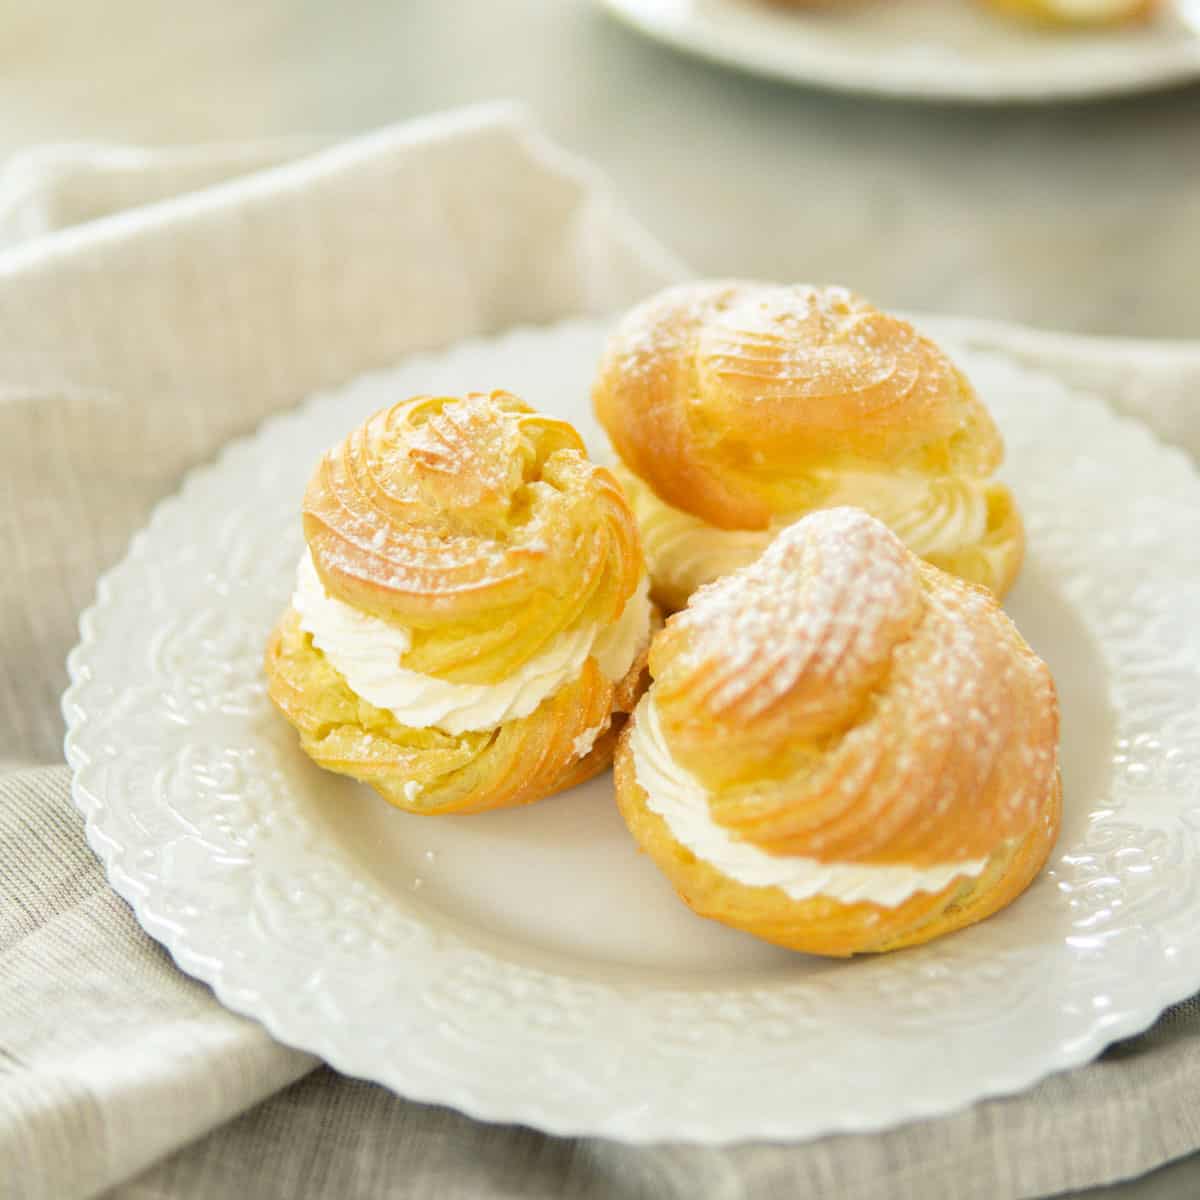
[152, 306]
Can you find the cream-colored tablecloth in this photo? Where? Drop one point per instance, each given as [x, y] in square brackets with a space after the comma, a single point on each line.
[154, 305]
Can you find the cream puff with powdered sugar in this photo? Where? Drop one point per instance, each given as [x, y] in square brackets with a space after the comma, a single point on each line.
[843, 749]
[736, 408]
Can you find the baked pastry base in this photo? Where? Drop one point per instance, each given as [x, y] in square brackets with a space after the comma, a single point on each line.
[820, 925]
[427, 771]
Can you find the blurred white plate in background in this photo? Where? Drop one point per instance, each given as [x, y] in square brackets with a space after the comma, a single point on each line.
[926, 49]
[530, 965]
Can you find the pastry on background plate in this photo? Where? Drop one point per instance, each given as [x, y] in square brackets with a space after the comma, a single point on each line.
[843, 749]
[736, 408]
[470, 618]
[1076, 13]
[1062, 13]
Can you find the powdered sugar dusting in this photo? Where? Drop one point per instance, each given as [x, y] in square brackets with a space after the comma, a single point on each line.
[587, 739]
[463, 454]
[931, 727]
[816, 615]
[749, 385]
[441, 508]
[809, 342]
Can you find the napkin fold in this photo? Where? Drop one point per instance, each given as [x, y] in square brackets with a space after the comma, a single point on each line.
[154, 305]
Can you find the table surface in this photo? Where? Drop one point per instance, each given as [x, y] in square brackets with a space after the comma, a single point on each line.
[1083, 218]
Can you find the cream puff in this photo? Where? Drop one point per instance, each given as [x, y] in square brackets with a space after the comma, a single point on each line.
[470, 617]
[736, 408]
[843, 749]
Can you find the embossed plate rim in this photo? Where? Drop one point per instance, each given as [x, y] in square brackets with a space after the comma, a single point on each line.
[785, 1116]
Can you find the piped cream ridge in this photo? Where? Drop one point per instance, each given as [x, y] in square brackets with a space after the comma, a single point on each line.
[368, 653]
[683, 802]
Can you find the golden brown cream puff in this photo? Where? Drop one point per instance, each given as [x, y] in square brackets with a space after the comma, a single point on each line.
[736, 408]
[844, 749]
[470, 617]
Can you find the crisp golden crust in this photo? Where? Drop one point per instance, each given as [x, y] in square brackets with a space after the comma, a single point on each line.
[868, 707]
[475, 523]
[842, 702]
[744, 406]
[773, 661]
[724, 396]
[480, 529]
[820, 925]
[430, 772]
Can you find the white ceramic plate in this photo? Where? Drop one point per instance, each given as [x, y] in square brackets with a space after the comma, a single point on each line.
[529, 965]
[926, 49]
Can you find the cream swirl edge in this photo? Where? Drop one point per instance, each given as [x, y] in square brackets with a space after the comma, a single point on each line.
[367, 652]
[931, 516]
[682, 801]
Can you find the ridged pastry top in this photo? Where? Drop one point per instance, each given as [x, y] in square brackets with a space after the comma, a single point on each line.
[845, 702]
[476, 525]
[739, 401]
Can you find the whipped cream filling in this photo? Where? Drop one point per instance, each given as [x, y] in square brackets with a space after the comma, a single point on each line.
[677, 796]
[683, 551]
[931, 516]
[582, 745]
[368, 653]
